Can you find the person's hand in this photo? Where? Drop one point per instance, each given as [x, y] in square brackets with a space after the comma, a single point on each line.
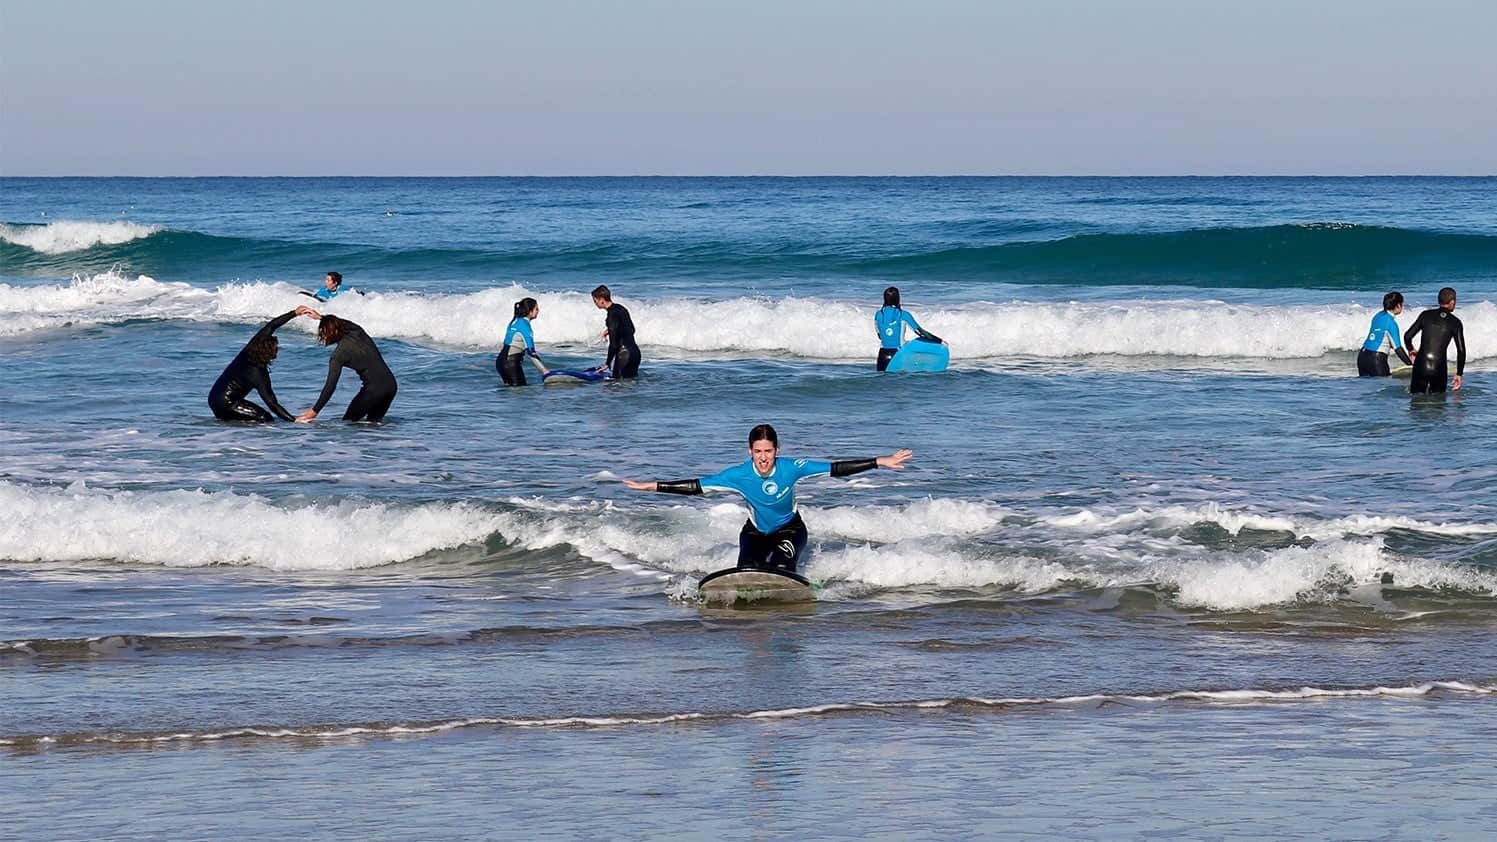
[640, 486]
[1456, 383]
[306, 417]
[304, 310]
[895, 461]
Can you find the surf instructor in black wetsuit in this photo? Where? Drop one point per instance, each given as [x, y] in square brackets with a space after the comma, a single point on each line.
[356, 351]
[623, 354]
[1439, 327]
[250, 371]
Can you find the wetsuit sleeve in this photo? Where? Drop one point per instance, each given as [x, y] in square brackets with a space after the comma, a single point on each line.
[615, 341]
[680, 486]
[1403, 355]
[259, 377]
[1460, 349]
[848, 467]
[275, 324]
[334, 368]
[1408, 335]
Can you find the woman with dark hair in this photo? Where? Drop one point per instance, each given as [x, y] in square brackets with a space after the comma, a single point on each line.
[1372, 360]
[356, 351]
[774, 535]
[889, 323]
[250, 370]
[519, 343]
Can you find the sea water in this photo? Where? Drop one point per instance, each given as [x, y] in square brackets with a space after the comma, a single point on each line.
[1129, 585]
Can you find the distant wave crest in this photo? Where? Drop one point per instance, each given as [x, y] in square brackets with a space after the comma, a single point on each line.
[808, 328]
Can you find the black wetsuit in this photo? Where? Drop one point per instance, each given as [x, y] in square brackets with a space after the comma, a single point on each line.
[357, 351]
[1440, 328]
[623, 354]
[226, 399]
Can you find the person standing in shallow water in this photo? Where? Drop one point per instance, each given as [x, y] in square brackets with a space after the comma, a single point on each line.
[623, 354]
[250, 371]
[889, 323]
[357, 351]
[1372, 360]
[1439, 327]
[519, 343]
[774, 536]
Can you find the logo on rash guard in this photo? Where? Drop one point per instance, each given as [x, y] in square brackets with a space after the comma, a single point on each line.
[771, 488]
[787, 548]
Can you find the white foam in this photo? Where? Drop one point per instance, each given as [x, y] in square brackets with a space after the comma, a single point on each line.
[807, 328]
[1092, 701]
[1232, 521]
[198, 528]
[64, 236]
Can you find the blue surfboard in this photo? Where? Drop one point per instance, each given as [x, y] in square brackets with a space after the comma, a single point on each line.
[588, 376]
[920, 355]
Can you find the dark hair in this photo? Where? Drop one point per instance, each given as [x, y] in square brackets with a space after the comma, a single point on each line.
[330, 330]
[523, 308]
[337, 277]
[1392, 299]
[764, 432]
[1447, 295]
[891, 297]
[262, 349]
[603, 293]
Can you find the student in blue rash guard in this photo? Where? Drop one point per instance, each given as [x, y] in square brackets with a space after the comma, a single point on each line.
[889, 322]
[1372, 360]
[519, 343]
[774, 535]
[331, 286]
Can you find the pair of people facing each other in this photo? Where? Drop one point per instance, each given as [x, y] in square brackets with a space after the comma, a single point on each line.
[1437, 328]
[250, 371]
[890, 323]
[623, 357]
[774, 536]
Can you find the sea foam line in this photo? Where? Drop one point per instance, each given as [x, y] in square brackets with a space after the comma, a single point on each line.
[808, 328]
[965, 704]
[65, 236]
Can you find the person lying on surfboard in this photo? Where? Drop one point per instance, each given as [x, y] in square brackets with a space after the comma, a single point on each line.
[774, 535]
[889, 322]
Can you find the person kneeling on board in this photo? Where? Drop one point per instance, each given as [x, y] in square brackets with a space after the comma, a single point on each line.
[774, 535]
[1372, 360]
[889, 323]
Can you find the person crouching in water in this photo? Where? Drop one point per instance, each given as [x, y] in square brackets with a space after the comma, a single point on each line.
[357, 351]
[250, 370]
[1372, 360]
[519, 343]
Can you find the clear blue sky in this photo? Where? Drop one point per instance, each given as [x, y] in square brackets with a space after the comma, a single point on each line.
[794, 87]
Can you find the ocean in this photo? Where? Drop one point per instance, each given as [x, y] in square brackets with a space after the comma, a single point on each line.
[1130, 585]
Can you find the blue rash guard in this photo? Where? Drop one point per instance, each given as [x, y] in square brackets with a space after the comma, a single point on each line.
[1384, 329]
[889, 322]
[520, 326]
[771, 499]
[326, 294]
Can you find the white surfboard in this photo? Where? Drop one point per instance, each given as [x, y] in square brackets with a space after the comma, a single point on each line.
[739, 586]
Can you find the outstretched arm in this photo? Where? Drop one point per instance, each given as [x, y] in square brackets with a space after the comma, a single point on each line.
[680, 486]
[894, 462]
